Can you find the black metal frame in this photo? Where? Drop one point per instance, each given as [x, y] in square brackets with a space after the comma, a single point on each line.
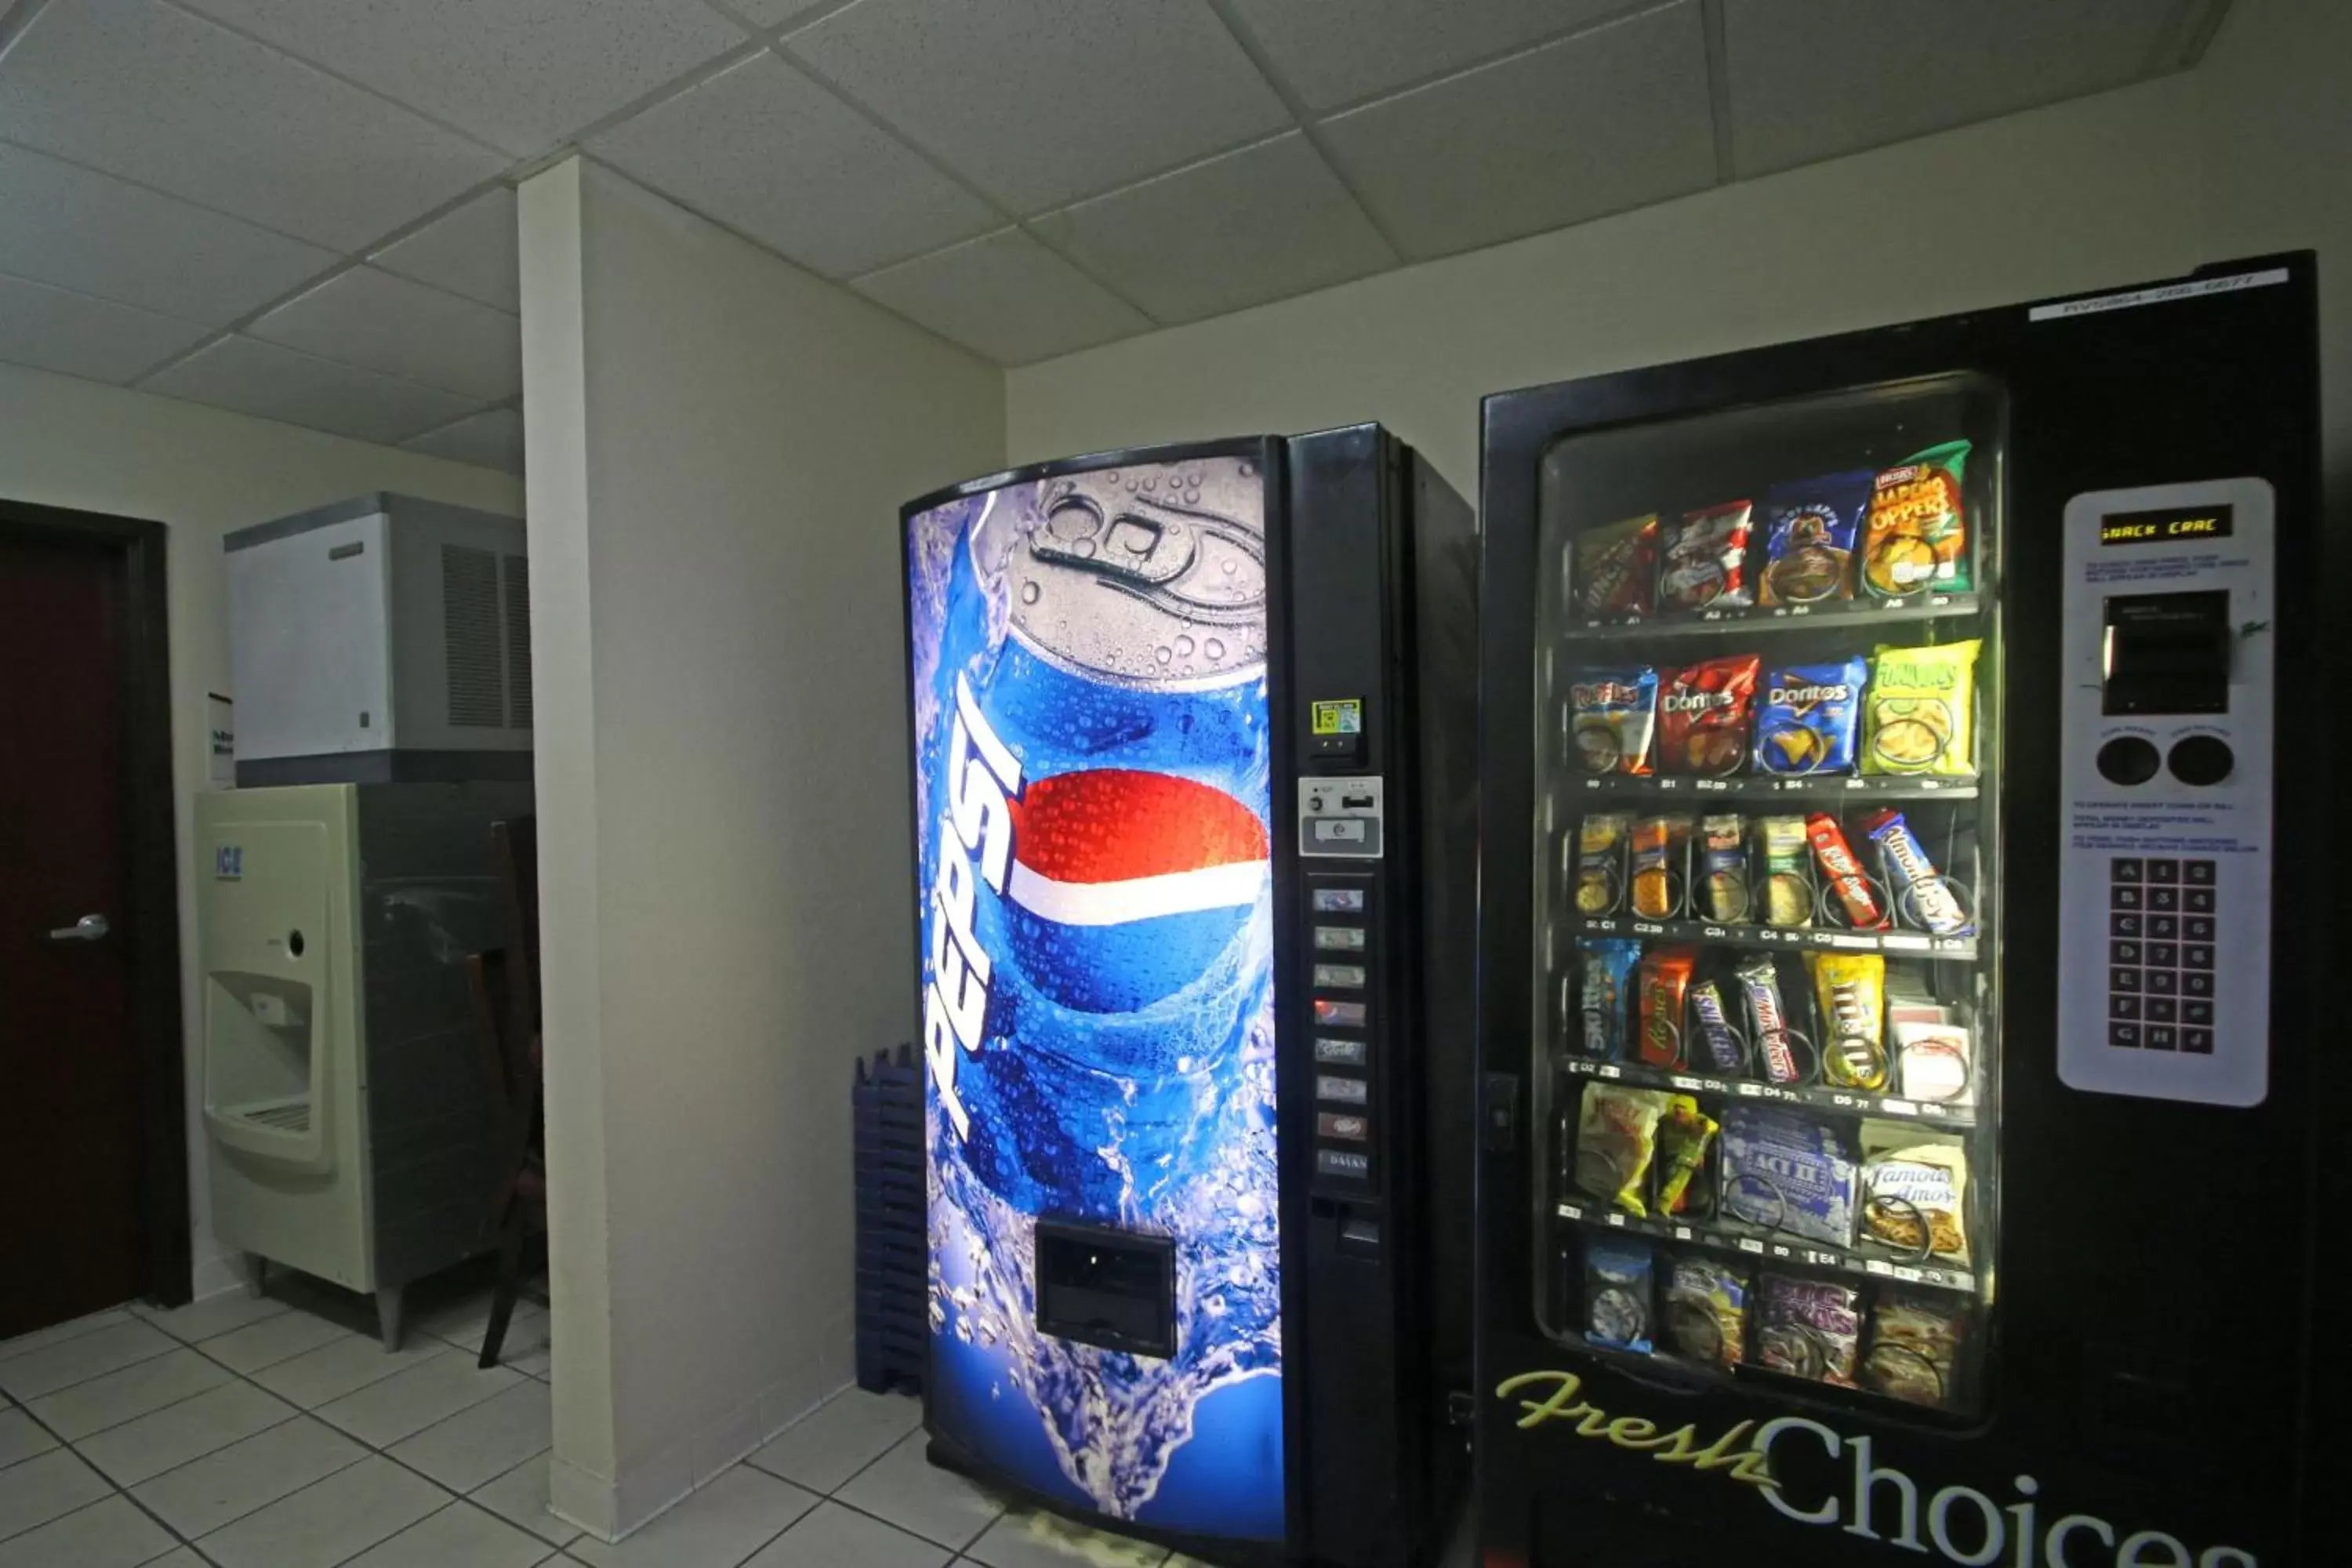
[1293, 1087]
[152, 859]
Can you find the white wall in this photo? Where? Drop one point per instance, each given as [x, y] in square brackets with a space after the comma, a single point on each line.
[201, 471]
[2251, 152]
[719, 445]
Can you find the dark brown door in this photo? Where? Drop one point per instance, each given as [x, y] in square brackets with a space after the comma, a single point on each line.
[70, 1131]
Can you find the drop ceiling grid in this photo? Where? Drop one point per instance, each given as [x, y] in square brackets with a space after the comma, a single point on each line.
[1285, 134]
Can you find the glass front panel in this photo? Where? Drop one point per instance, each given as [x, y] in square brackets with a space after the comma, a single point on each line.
[1767, 1052]
[1093, 762]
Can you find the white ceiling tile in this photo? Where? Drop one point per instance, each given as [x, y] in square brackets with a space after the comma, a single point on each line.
[1813, 79]
[1269, 221]
[470, 251]
[78, 334]
[413, 331]
[490, 439]
[764, 149]
[523, 74]
[1042, 102]
[253, 377]
[1005, 297]
[1607, 120]
[772, 13]
[94, 233]
[1333, 52]
[155, 94]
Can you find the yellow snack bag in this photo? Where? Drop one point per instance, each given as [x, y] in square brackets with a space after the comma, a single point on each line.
[1921, 714]
[1616, 1134]
[1852, 991]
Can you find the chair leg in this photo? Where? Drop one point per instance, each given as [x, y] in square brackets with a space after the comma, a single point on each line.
[387, 1316]
[257, 1275]
[510, 1285]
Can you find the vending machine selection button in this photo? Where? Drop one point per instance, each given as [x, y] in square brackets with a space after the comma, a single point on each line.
[2199, 927]
[1343, 1163]
[2162, 1037]
[2126, 1035]
[2163, 955]
[2123, 979]
[2197, 955]
[2123, 953]
[2196, 982]
[2121, 924]
[2124, 897]
[1340, 939]
[2125, 869]
[2198, 871]
[2199, 1013]
[1339, 1014]
[2164, 927]
[1340, 977]
[2200, 900]
[2163, 982]
[1333, 1124]
[2163, 1010]
[2163, 870]
[2123, 1006]
[1340, 1053]
[2164, 898]
[2197, 1041]
[1339, 900]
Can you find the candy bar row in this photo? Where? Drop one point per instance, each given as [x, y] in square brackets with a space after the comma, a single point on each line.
[1713, 1313]
[1785, 871]
[1837, 1019]
[1881, 535]
[1889, 1189]
[1905, 711]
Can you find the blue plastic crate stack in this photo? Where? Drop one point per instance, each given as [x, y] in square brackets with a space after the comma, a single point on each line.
[888, 1142]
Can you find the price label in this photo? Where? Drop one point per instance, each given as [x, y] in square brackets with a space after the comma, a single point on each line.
[1571, 1211]
[1648, 928]
[1617, 1221]
[1780, 1251]
[1606, 1071]
[1898, 1107]
[1682, 1232]
[1895, 942]
[1909, 1274]
[1696, 1086]
[1666, 783]
[1820, 1259]
[1712, 784]
[1874, 1265]
[1749, 1244]
[1751, 1089]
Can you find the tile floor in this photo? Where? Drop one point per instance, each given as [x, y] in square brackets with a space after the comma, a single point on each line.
[276, 1432]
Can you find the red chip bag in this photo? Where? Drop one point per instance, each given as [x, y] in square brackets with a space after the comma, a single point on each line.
[1705, 713]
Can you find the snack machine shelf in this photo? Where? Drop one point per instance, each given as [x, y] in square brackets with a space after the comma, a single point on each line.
[1778, 617]
[1852, 1102]
[1737, 1241]
[1773, 939]
[1762, 786]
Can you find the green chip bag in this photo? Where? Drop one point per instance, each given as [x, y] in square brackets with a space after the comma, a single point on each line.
[1921, 714]
[1915, 538]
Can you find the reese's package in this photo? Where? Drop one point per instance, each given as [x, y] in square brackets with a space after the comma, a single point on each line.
[1915, 540]
[1704, 715]
[1616, 1134]
[1914, 1190]
[1617, 570]
[1600, 861]
[1809, 1328]
[1809, 529]
[1611, 714]
[1807, 719]
[1617, 1287]
[1663, 976]
[1705, 564]
[1915, 1344]
[1706, 1311]
[1919, 715]
[1607, 964]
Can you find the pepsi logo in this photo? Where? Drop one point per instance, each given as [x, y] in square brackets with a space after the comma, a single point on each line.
[1127, 886]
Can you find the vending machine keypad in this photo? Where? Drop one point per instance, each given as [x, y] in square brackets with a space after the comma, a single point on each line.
[2165, 769]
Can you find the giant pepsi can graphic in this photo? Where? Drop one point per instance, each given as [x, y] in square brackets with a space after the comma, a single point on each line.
[1092, 794]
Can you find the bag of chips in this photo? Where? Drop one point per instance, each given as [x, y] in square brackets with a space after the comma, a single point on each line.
[1617, 569]
[1788, 889]
[1705, 713]
[1666, 973]
[1810, 528]
[1919, 715]
[1723, 868]
[1915, 1346]
[1684, 1139]
[1660, 845]
[1600, 861]
[1612, 713]
[1706, 1311]
[1706, 561]
[1921, 895]
[1787, 1171]
[1608, 967]
[1809, 1328]
[1917, 538]
[1851, 987]
[1915, 1186]
[1616, 1134]
[1617, 1284]
[1807, 720]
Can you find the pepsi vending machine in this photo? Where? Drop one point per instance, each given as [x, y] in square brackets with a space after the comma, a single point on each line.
[1899, 924]
[1193, 825]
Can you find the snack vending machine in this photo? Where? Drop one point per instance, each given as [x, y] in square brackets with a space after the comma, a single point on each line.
[1194, 841]
[1896, 1089]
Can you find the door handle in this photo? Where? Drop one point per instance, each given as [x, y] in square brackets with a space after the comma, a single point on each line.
[90, 928]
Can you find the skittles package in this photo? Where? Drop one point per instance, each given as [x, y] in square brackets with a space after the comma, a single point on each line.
[1808, 718]
[1809, 529]
[1917, 538]
[1608, 970]
[1617, 569]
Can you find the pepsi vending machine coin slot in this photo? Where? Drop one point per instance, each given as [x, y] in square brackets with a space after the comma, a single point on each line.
[1138, 1038]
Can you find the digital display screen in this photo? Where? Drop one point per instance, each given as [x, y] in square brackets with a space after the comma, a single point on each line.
[2173, 525]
